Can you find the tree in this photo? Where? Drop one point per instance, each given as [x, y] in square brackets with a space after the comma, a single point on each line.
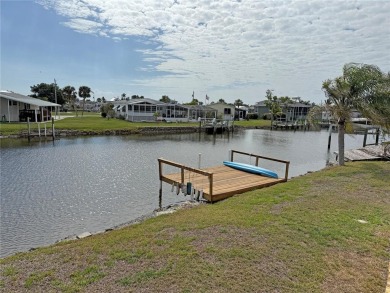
[238, 103]
[286, 100]
[165, 99]
[273, 105]
[123, 96]
[362, 87]
[193, 102]
[137, 97]
[84, 92]
[47, 92]
[69, 93]
[107, 110]
[222, 101]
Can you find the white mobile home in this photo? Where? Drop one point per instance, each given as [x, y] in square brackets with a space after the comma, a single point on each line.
[224, 111]
[18, 108]
[150, 110]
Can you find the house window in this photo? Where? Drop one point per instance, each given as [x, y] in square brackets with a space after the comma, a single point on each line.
[136, 108]
[12, 103]
[227, 111]
[129, 107]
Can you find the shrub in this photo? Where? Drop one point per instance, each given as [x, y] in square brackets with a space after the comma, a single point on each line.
[253, 116]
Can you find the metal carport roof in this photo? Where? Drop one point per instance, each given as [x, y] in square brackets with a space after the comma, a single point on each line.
[26, 99]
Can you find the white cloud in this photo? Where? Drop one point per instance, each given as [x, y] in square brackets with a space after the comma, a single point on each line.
[85, 26]
[222, 46]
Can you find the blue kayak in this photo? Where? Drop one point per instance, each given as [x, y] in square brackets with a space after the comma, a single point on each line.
[251, 169]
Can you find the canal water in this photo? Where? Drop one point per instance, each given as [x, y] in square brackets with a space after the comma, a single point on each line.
[52, 190]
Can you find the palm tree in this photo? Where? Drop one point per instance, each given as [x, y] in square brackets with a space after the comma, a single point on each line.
[362, 87]
[69, 93]
[84, 92]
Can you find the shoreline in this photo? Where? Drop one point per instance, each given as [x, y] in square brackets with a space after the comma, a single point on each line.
[169, 209]
[139, 131]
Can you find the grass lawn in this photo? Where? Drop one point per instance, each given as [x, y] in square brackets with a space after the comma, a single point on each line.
[94, 122]
[327, 231]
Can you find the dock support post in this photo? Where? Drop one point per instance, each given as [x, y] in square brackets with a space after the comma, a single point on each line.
[52, 128]
[365, 138]
[330, 135]
[45, 129]
[160, 196]
[39, 129]
[28, 129]
[377, 136]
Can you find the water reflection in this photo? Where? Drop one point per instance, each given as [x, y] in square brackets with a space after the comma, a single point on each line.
[52, 190]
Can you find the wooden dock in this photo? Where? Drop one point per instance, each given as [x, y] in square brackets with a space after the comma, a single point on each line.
[367, 153]
[219, 182]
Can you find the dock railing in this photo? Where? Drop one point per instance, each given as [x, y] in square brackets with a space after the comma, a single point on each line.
[287, 163]
[182, 168]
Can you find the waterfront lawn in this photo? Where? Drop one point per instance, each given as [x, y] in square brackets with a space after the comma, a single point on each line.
[327, 231]
[260, 123]
[96, 123]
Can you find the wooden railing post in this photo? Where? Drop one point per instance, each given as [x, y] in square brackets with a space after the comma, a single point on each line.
[286, 173]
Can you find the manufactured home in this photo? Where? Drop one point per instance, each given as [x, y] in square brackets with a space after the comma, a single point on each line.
[19, 108]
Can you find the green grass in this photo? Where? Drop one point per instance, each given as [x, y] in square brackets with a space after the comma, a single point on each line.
[87, 276]
[36, 278]
[299, 236]
[254, 123]
[93, 122]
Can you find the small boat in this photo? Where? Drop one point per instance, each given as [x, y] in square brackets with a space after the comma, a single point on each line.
[251, 169]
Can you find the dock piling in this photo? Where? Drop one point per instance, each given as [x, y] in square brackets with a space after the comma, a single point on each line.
[29, 128]
[160, 196]
[330, 135]
[52, 128]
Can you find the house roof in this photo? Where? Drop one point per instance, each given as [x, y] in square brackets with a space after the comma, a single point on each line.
[199, 107]
[137, 101]
[26, 99]
[260, 104]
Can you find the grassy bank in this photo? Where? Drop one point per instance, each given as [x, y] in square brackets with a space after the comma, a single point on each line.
[327, 231]
[98, 124]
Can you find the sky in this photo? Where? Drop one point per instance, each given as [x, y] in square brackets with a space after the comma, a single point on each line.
[224, 49]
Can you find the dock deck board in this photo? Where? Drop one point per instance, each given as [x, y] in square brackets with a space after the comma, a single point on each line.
[226, 181]
[367, 153]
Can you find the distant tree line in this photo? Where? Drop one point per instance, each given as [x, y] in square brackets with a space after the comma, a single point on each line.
[51, 92]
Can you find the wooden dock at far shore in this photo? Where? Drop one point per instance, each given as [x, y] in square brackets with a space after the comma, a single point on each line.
[367, 153]
[219, 182]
